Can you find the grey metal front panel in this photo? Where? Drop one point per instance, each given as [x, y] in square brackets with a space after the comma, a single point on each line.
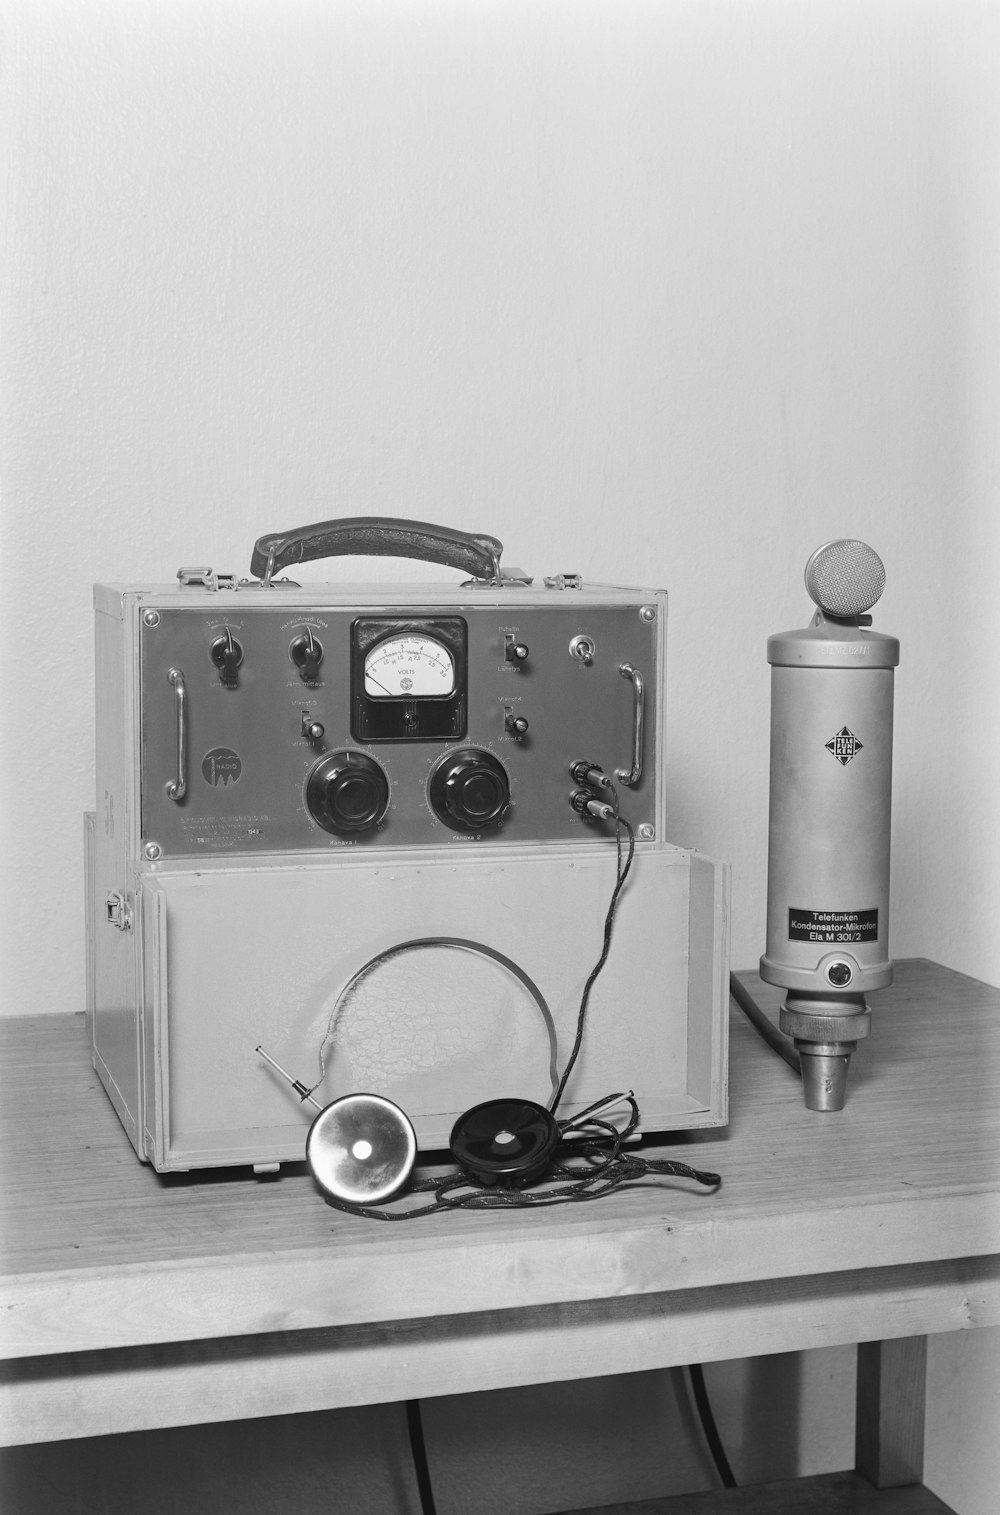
[249, 759]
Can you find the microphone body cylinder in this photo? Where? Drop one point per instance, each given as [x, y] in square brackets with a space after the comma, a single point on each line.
[829, 828]
[829, 839]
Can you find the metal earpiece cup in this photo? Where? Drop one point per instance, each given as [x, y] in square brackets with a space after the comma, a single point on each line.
[505, 1141]
[361, 1149]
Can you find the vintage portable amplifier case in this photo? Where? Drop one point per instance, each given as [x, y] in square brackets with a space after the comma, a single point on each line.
[367, 828]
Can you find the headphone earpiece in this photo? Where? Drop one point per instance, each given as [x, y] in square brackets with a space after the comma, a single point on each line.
[361, 1149]
[505, 1141]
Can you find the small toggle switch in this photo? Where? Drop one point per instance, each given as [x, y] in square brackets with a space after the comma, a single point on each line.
[513, 651]
[517, 725]
[307, 654]
[227, 655]
[314, 731]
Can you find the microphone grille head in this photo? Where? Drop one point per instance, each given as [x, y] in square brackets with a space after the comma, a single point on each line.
[845, 578]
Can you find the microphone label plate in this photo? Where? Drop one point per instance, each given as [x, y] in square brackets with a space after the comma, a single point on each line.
[832, 925]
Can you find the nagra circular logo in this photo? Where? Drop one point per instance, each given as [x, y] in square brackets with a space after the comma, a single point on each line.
[844, 745]
[221, 766]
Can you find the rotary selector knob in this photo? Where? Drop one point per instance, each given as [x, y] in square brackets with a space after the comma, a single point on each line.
[227, 655]
[347, 792]
[470, 790]
[306, 652]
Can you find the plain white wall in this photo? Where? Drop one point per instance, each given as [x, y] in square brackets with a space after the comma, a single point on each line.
[664, 291]
[654, 291]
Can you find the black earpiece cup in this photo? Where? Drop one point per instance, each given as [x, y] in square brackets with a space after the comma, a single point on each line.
[505, 1141]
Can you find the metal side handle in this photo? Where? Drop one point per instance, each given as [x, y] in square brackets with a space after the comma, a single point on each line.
[634, 774]
[177, 788]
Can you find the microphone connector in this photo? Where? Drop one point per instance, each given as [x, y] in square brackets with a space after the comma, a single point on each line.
[585, 802]
[584, 772]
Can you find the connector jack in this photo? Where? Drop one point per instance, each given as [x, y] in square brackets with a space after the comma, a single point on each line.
[585, 772]
[584, 802]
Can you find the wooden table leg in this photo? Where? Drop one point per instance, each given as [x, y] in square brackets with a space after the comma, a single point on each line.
[889, 1425]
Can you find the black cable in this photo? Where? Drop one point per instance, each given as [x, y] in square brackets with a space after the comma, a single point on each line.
[609, 921]
[418, 1452]
[776, 1040]
[605, 1171]
[709, 1427]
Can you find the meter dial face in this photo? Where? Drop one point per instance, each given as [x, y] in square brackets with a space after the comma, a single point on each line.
[409, 678]
[410, 665]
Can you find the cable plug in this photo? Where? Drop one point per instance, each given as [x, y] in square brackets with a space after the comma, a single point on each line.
[586, 773]
[585, 802]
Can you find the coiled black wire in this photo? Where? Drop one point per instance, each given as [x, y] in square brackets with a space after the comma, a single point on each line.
[604, 1167]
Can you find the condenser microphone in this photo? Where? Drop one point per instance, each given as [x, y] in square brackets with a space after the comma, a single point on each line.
[829, 816]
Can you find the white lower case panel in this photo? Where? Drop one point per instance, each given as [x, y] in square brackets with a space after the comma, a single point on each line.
[437, 980]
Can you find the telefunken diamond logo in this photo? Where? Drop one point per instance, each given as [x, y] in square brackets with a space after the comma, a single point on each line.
[844, 745]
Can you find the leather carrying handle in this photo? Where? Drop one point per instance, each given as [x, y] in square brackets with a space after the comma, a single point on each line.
[378, 536]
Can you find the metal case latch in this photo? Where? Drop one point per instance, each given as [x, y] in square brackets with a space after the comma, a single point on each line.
[117, 912]
[191, 578]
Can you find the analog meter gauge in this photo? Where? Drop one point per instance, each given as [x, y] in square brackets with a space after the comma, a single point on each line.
[408, 678]
[411, 665]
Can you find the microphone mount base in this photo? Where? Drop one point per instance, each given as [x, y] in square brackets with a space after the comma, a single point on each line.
[826, 1030]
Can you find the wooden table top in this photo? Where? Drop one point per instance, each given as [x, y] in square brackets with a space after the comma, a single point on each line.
[99, 1251]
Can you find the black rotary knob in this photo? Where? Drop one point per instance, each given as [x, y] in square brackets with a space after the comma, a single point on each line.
[347, 792]
[470, 790]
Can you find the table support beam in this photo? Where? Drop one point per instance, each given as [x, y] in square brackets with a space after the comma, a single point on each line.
[889, 1426]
